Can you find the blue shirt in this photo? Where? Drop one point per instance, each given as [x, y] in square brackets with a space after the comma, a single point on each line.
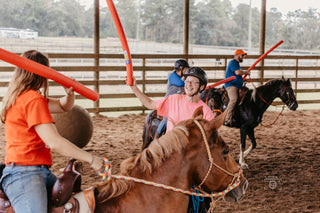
[232, 67]
[175, 84]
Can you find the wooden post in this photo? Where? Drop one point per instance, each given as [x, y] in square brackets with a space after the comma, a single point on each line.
[96, 52]
[143, 80]
[262, 37]
[186, 27]
[296, 80]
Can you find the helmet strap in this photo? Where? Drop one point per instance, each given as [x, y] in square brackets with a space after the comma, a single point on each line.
[198, 91]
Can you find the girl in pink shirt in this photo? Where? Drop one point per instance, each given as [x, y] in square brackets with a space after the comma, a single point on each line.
[180, 107]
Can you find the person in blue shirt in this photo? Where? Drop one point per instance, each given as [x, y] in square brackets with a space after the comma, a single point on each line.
[232, 87]
[175, 85]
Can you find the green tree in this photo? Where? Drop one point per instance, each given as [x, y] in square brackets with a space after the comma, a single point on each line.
[302, 29]
[240, 29]
[274, 26]
[209, 23]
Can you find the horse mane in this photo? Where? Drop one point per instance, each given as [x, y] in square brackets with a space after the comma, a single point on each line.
[151, 157]
[264, 87]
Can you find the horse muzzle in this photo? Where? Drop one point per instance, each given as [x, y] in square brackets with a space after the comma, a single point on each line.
[238, 193]
[293, 106]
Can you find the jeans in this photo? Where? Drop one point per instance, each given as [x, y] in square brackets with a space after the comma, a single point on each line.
[28, 187]
[162, 126]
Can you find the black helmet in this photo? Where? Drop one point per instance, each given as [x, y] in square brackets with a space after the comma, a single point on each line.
[180, 63]
[198, 73]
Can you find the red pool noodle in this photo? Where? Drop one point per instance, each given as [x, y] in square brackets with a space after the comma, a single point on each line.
[262, 57]
[221, 82]
[123, 41]
[47, 72]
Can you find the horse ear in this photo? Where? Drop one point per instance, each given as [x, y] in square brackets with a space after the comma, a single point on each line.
[198, 113]
[218, 121]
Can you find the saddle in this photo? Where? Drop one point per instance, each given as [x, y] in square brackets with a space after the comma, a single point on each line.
[63, 198]
[69, 181]
[242, 92]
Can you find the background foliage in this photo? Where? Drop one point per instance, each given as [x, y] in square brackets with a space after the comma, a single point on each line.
[212, 22]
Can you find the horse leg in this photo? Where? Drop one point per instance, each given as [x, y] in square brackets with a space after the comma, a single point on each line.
[243, 135]
[253, 142]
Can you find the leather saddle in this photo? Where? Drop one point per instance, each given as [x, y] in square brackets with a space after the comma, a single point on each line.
[67, 183]
[64, 198]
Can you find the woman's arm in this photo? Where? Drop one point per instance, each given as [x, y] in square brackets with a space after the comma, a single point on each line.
[145, 100]
[50, 136]
[63, 104]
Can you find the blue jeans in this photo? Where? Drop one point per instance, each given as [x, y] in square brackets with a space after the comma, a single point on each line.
[28, 187]
[162, 126]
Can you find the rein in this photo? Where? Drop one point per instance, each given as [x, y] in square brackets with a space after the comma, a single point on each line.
[106, 175]
[275, 120]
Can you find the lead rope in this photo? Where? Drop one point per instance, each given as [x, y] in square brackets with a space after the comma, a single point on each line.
[106, 175]
[275, 120]
[237, 175]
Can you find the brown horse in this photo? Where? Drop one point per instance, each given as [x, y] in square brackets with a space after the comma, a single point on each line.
[192, 154]
[181, 158]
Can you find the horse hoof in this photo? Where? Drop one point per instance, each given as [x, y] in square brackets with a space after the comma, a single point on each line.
[244, 166]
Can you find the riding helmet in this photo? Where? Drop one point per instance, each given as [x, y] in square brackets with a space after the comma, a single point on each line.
[181, 63]
[198, 73]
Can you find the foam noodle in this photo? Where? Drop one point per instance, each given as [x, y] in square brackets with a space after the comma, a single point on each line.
[123, 41]
[262, 57]
[221, 82]
[47, 72]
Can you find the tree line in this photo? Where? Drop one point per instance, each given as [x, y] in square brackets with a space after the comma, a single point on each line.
[212, 22]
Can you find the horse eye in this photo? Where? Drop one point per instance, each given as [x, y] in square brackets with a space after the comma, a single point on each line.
[226, 151]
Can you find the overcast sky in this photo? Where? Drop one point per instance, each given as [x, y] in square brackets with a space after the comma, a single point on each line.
[282, 5]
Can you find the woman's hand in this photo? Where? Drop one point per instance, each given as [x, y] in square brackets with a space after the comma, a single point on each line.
[69, 91]
[67, 102]
[97, 164]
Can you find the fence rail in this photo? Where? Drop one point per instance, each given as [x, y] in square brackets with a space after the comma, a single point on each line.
[152, 70]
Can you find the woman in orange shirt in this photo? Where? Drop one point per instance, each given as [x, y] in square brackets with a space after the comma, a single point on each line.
[31, 136]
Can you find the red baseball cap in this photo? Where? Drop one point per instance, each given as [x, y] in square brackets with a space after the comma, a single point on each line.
[240, 52]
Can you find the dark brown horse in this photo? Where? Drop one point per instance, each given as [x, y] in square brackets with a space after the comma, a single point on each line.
[179, 159]
[249, 112]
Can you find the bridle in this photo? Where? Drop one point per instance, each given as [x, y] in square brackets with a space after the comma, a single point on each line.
[212, 163]
[287, 102]
[236, 176]
[284, 90]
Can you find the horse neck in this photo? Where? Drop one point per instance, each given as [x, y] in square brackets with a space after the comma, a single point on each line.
[265, 95]
[173, 172]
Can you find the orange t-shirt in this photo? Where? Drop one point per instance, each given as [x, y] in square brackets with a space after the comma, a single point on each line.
[23, 145]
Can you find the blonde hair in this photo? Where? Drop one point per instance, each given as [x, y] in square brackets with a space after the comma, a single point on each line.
[23, 80]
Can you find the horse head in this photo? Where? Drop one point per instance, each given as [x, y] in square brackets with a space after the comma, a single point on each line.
[215, 169]
[214, 99]
[287, 95]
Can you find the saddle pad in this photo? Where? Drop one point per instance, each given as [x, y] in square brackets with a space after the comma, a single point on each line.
[86, 200]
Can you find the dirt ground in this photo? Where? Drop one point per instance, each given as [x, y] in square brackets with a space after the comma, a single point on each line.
[284, 169]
